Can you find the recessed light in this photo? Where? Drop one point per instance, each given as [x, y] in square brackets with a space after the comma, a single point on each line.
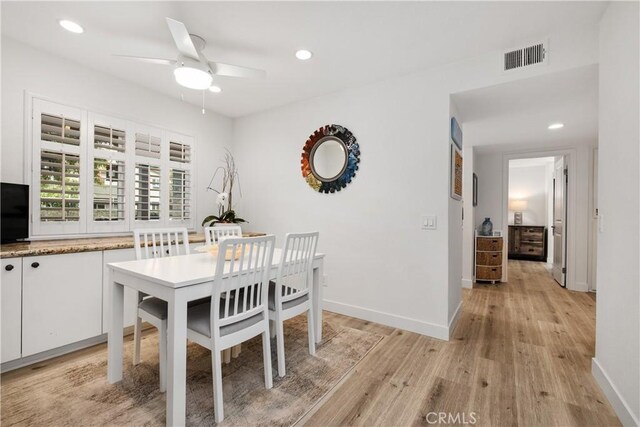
[554, 126]
[303, 54]
[71, 26]
[215, 89]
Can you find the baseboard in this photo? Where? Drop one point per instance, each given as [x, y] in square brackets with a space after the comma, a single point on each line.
[454, 319]
[393, 320]
[467, 283]
[618, 403]
[581, 287]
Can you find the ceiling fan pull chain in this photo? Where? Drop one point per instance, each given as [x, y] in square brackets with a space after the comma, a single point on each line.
[203, 102]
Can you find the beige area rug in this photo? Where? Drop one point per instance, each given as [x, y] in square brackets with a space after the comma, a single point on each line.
[74, 391]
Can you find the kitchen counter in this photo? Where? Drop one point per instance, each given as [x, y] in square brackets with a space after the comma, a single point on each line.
[67, 246]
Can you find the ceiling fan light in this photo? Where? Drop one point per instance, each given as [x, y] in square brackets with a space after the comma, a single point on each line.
[192, 78]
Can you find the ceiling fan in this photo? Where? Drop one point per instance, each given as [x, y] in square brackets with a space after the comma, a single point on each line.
[192, 69]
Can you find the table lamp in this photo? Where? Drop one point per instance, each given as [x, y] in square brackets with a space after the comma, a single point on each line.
[518, 206]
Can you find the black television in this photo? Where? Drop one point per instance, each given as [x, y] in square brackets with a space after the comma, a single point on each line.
[14, 207]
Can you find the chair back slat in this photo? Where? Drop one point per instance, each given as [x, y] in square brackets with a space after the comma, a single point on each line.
[296, 266]
[212, 234]
[245, 289]
[161, 242]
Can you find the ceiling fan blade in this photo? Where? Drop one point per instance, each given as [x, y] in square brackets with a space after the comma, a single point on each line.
[160, 61]
[229, 70]
[182, 39]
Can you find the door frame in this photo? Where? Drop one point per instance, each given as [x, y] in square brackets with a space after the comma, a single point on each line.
[571, 200]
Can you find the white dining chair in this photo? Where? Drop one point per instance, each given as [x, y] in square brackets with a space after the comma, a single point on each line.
[291, 294]
[212, 234]
[156, 243]
[238, 307]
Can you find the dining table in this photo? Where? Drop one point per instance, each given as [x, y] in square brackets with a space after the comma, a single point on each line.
[178, 280]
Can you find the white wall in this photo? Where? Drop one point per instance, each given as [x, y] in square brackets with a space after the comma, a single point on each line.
[27, 69]
[617, 362]
[488, 167]
[469, 222]
[455, 241]
[530, 183]
[381, 266]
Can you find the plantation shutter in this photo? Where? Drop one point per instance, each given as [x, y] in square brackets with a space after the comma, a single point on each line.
[148, 145]
[179, 194]
[147, 192]
[59, 186]
[108, 190]
[180, 176]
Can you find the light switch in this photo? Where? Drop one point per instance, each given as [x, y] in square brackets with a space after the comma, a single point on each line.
[429, 222]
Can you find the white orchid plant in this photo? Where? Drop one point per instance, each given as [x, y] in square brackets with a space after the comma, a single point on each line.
[224, 200]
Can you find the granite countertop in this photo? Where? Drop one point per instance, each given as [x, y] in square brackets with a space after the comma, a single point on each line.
[67, 246]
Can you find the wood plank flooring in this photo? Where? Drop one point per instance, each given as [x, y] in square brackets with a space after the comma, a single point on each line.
[520, 355]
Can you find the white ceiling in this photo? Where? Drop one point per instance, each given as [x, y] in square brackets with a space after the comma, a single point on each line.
[519, 112]
[354, 42]
[527, 163]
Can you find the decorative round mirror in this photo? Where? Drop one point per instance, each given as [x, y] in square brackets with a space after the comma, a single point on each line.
[330, 158]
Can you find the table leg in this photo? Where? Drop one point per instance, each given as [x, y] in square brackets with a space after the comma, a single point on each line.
[317, 301]
[177, 361]
[115, 339]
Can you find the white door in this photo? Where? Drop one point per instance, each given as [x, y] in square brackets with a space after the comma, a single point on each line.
[10, 308]
[61, 300]
[559, 220]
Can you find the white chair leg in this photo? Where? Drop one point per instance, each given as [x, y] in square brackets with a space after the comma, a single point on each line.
[272, 328]
[312, 340]
[280, 346]
[137, 337]
[266, 354]
[162, 348]
[216, 368]
[235, 351]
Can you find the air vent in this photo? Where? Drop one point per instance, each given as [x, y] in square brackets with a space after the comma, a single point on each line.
[525, 57]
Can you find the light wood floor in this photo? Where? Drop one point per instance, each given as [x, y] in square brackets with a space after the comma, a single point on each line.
[520, 355]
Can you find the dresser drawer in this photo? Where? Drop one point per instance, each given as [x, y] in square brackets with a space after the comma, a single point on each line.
[532, 234]
[488, 273]
[530, 248]
[492, 244]
[489, 258]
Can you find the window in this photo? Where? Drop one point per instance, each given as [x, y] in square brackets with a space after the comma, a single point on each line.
[59, 186]
[147, 193]
[98, 174]
[179, 194]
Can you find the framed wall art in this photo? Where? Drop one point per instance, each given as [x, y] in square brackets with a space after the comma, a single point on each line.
[456, 173]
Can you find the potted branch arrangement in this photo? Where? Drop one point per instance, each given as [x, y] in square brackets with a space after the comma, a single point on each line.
[224, 200]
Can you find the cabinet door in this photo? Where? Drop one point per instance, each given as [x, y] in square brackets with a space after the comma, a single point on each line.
[11, 307]
[130, 300]
[62, 300]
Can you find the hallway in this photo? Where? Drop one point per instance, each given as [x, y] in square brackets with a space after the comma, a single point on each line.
[521, 354]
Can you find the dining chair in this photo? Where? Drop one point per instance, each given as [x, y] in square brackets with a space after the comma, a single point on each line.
[290, 295]
[238, 307]
[212, 234]
[156, 243]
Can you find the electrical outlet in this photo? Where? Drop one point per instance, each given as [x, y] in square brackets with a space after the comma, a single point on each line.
[429, 222]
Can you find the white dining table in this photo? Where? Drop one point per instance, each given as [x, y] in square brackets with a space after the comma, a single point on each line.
[178, 280]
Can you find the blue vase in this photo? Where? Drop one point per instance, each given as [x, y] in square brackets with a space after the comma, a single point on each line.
[487, 227]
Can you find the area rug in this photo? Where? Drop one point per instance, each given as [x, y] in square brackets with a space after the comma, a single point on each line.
[73, 390]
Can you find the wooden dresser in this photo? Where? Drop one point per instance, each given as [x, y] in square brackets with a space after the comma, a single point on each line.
[528, 242]
[489, 258]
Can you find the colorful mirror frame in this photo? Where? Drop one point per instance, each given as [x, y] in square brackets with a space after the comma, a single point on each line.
[343, 135]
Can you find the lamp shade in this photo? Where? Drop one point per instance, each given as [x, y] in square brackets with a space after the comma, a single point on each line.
[518, 205]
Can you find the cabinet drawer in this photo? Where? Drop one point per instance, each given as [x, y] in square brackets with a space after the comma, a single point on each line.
[530, 248]
[488, 273]
[532, 234]
[489, 258]
[489, 243]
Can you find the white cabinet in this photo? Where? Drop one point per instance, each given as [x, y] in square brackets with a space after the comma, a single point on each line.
[62, 300]
[10, 308]
[130, 301]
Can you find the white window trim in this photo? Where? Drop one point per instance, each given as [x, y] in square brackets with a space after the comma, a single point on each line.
[86, 227]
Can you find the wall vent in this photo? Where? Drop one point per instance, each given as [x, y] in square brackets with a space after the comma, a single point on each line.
[526, 56]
